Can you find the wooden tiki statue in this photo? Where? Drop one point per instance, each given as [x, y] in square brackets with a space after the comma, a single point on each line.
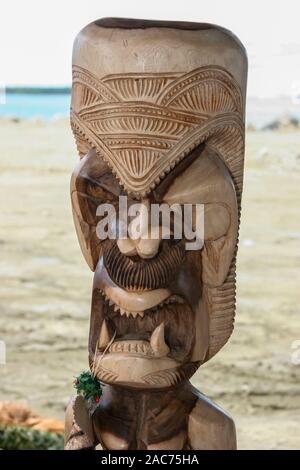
[158, 117]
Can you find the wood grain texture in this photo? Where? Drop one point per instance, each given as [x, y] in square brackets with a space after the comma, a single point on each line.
[158, 115]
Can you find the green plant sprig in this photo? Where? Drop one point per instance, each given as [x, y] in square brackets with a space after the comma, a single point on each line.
[88, 386]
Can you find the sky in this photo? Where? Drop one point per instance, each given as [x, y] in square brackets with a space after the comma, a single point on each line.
[36, 36]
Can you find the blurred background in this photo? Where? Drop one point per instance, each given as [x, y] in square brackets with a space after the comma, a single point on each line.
[45, 286]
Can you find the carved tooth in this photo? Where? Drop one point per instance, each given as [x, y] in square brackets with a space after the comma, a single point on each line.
[104, 336]
[157, 341]
[110, 302]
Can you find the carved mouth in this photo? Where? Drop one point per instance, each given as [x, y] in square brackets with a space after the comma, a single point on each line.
[163, 330]
[160, 318]
[142, 333]
[138, 274]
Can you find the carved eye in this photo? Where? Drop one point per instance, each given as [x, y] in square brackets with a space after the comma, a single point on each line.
[206, 181]
[99, 193]
[94, 190]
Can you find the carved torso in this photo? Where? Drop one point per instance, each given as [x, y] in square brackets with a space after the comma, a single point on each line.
[143, 419]
[176, 419]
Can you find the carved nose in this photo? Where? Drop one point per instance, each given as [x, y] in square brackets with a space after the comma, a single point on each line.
[147, 248]
[144, 248]
[140, 240]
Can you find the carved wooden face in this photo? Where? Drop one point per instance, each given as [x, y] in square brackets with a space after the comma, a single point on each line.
[150, 324]
[158, 310]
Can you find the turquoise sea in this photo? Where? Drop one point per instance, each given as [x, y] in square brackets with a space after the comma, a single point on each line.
[41, 105]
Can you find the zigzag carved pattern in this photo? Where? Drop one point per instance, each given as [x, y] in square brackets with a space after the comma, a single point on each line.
[82, 143]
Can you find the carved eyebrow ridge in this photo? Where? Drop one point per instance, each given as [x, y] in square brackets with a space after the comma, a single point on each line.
[162, 188]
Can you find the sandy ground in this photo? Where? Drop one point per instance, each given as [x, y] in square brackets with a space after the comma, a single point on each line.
[45, 285]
